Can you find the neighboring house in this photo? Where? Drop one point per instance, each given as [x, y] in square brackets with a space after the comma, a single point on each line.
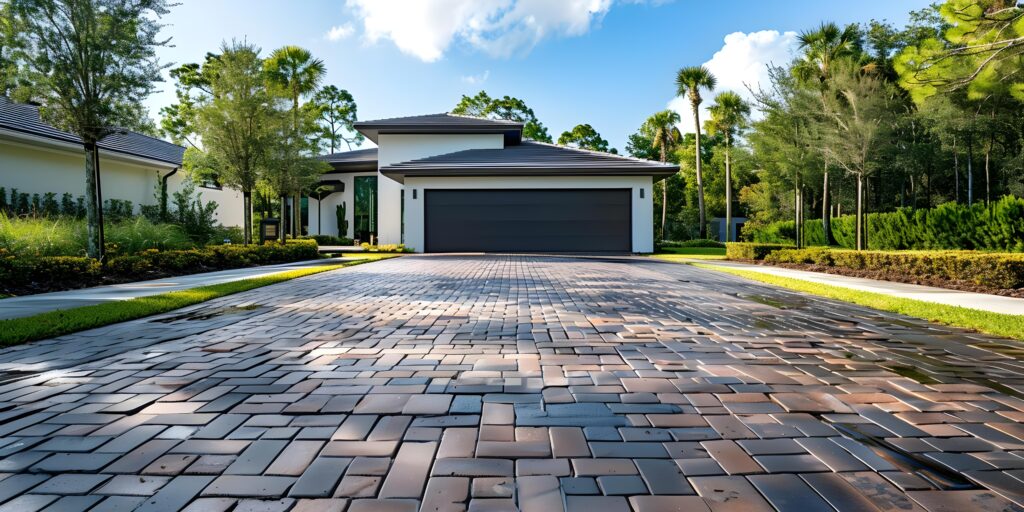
[718, 228]
[37, 158]
[448, 183]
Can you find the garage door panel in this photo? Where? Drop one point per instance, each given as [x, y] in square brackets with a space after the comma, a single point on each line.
[553, 220]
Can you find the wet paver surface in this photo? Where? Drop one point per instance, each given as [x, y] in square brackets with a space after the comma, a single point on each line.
[531, 383]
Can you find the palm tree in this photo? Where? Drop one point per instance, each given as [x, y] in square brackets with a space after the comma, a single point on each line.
[822, 48]
[728, 116]
[689, 82]
[295, 74]
[664, 136]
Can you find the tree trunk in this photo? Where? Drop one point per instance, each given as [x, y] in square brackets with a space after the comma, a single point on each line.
[296, 215]
[728, 190]
[702, 216]
[860, 212]
[970, 171]
[664, 196]
[797, 232]
[956, 172]
[988, 190]
[247, 218]
[282, 227]
[826, 221]
[93, 203]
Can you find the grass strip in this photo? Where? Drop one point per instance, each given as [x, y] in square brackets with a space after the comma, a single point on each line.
[1000, 324]
[15, 331]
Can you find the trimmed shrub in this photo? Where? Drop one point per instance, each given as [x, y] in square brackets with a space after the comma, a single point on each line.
[994, 270]
[331, 240]
[385, 248]
[751, 251]
[697, 242]
[997, 226]
[58, 272]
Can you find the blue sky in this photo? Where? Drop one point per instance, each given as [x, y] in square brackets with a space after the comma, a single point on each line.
[604, 62]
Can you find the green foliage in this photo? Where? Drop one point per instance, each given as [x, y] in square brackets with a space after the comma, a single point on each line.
[342, 220]
[998, 226]
[217, 257]
[196, 219]
[336, 112]
[385, 248]
[331, 240]
[583, 136]
[66, 236]
[698, 242]
[750, 251]
[995, 270]
[506, 107]
[980, 48]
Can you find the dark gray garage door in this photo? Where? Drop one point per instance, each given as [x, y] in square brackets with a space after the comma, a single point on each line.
[576, 220]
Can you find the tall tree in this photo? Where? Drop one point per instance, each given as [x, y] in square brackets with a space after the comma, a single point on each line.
[729, 115]
[293, 73]
[95, 61]
[583, 136]
[336, 112]
[861, 110]
[506, 107]
[822, 49]
[981, 48]
[661, 127]
[235, 123]
[689, 82]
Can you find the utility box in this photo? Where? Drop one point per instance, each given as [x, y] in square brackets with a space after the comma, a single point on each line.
[269, 230]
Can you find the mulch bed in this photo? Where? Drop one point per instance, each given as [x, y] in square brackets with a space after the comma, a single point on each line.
[889, 275]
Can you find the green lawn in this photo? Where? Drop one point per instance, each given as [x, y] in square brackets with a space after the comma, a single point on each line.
[57, 323]
[690, 253]
[1010, 326]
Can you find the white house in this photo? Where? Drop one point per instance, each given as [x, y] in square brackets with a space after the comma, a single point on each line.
[449, 183]
[36, 158]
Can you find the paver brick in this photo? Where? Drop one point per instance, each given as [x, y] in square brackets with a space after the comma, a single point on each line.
[509, 382]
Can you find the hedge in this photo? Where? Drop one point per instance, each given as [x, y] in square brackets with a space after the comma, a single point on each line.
[998, 226]
[993, 270]
[750, 251]
[56, 272]
[697, 242]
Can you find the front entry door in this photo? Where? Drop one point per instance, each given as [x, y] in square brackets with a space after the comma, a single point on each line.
[365, 213]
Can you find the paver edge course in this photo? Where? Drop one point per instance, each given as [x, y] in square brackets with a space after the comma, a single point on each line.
[999, 324]
[51, 324]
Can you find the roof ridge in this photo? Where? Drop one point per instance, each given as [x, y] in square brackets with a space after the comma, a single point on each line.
[592, 152]
[484, 118]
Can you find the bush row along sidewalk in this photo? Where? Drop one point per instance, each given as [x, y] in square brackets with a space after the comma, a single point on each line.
[20, 274]
[998, 271]
[57, 323]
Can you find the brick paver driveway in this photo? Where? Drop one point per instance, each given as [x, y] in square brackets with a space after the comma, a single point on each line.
[497, 382]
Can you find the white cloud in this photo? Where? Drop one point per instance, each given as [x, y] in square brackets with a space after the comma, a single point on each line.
[339, 32]
[476, 79]
[501, 28]
[741, 65]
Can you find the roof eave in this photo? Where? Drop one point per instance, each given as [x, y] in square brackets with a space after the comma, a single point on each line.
[400, 173]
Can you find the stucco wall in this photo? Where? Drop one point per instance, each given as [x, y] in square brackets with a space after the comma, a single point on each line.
[642, 208]
[402, 148]
[40, 170]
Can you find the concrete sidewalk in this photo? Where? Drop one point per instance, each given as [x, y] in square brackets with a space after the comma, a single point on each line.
[980, 301]
[27, 305]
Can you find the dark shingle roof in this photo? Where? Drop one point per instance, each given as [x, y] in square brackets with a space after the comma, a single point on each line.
[24, 118]
[441, 123]
[353, 161]
[528, 159]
